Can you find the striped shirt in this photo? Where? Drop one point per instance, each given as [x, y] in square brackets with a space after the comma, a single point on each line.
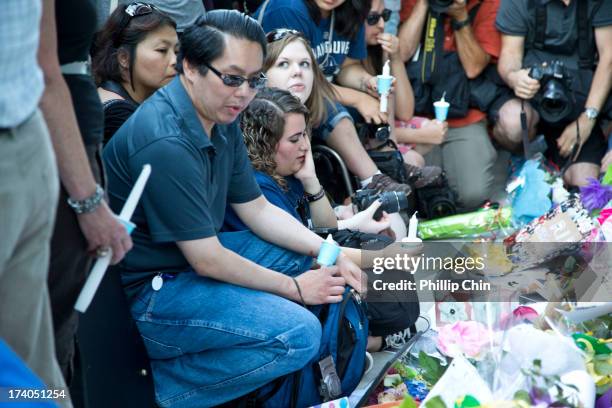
[21, 79]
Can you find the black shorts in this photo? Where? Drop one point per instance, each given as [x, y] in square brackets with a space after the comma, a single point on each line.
[592, 151]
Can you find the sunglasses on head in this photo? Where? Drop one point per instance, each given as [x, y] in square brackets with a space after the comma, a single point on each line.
[373, 18]
[140, 9]
[136, 9]
[280, 33]
[257, 82]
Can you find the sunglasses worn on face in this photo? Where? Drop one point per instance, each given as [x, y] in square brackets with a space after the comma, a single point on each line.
[280, 33]
[373, 18]
[234, 81]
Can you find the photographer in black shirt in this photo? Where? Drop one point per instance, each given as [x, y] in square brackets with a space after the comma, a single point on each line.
[556, 54]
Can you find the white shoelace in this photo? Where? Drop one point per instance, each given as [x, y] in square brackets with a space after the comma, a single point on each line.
[397, 340]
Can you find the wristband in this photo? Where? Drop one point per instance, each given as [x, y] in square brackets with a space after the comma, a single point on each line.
[315, 197]
[299, 291]
[89, 204]
[458, 25]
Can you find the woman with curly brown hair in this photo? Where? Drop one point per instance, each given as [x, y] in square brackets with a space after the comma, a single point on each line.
[276, 133]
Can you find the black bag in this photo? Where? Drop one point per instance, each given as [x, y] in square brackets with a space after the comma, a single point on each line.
[396, 311]
[454, 85]
[389, 162]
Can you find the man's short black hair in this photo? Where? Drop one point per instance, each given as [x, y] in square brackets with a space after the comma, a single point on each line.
[203, 41]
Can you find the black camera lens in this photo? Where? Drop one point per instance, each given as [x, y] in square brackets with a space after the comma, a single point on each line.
[392, 201]
[382, 133]
[553, 101]
[555, 105]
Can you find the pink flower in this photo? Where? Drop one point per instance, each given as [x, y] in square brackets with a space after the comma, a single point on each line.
[463, 338]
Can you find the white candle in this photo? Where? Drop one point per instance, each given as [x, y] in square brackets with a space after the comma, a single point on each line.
[99, 268]
[383, 103]
[413, 225]
[386, 69]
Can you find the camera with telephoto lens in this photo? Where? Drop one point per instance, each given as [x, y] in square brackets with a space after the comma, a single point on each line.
[440, 6]
[436, 199]
[554, 99]
[392, 201]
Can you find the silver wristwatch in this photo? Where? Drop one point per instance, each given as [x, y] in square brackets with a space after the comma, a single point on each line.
[89, 204]
[591, 113]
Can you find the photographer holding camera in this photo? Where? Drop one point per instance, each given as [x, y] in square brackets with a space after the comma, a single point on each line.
[460, 41]
[549, 58]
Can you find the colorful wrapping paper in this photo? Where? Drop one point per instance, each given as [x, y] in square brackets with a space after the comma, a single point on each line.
[466, 225]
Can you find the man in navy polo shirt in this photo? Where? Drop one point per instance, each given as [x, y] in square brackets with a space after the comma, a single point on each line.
[215, 325]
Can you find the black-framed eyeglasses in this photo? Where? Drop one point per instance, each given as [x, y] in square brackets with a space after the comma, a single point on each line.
[373, 18]
[257, 82]
[280, 33]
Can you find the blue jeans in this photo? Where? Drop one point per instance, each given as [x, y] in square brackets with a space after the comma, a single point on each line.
[210, 342]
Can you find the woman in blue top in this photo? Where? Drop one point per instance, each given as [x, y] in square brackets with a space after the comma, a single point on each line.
[276, 133]
[275, 129]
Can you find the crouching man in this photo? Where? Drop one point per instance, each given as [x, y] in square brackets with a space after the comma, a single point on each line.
[215, 324]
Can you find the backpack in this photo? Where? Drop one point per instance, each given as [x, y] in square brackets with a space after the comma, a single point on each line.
[337, 368]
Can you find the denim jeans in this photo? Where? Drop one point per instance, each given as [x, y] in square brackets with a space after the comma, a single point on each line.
[211, 342]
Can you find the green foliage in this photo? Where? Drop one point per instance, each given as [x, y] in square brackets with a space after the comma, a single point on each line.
[436, 402]
[432, 368]
[408, 402]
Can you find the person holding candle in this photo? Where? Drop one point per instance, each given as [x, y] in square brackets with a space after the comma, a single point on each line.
[466, 43]
[334, 31]
[199, 305]
[383, 51]
[290, 64]
[276, 133]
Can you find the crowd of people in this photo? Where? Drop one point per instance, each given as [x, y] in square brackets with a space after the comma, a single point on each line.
[226, 108]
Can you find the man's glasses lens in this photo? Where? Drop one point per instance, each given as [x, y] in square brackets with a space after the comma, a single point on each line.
[280, 33]
[234, 81]
[374, 17]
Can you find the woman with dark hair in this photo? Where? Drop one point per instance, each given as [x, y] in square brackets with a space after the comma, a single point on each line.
[416, 136]
[134, 55]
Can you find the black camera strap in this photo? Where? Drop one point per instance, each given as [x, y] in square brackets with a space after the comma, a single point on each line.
[586, 43]
[585, 47]
[433, 43]
[433, 47]
[525, 131]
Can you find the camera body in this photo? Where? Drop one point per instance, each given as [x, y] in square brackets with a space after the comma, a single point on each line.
[440, 6]
[392, 201]
[436, 199]
[555, 98]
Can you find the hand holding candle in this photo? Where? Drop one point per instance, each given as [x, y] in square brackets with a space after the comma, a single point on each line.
[328, 253]
[441, 108]
[383, 85]
[97, 273]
